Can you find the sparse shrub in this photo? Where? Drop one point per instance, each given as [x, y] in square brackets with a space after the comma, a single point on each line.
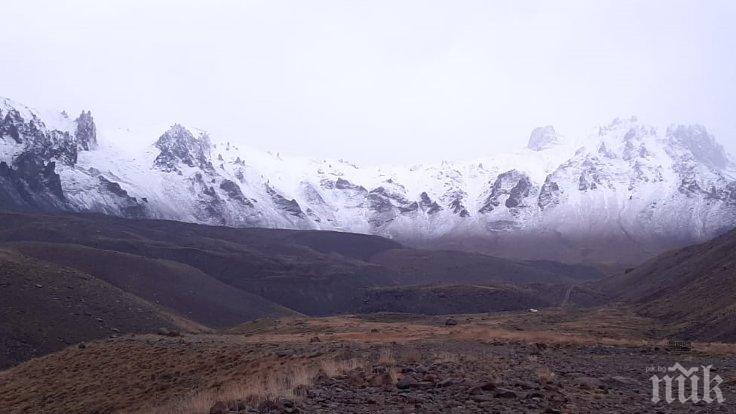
[446, 357]
[386, 357]
[545, 375]
[412, 356]
[333, 367]
[287, 383]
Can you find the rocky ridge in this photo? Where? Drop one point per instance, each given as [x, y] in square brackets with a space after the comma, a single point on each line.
[627, 191]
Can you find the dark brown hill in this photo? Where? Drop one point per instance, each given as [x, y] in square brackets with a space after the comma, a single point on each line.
[311, 272]
[45, 308]
[142, 274]
[278, 265]
[441, 299]
[450, 299]
[415, 266]
[692, 289]
[184, 290]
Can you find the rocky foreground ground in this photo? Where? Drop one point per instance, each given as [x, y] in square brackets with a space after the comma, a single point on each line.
[507, 363]
[462, 377]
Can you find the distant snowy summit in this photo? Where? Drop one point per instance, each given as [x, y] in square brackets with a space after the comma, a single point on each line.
[543, 138]
[629, 192]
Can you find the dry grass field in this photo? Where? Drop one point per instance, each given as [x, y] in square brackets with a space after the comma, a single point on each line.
[277, 364]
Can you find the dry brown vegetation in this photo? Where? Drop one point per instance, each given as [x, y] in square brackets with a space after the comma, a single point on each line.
[286, 382]
[610, 326]
[545, 375]
[277, 358]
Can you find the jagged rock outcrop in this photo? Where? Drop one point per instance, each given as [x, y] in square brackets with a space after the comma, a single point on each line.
[128, 206]
[549, 195]
[86, 133]
[233, 191]
[511, 188]
[427, 204]
[290, 207]
[341, 184]
[179, 146]
[31, 186]
[380, 206]
[28, 164]
[456, 204]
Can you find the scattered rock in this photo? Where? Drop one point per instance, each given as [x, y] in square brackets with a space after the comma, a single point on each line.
[481, 398]
[446, 382]
[405, 383]
[450, 322]
[167, 332]
[219, 408]
[526, 385]
[382, 379]
[483, 387]
[491, 379]
[505, 393]
[620, 380]
[535, 394]
[588, 383]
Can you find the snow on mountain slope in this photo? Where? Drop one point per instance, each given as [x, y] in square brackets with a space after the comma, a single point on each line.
[628, 191]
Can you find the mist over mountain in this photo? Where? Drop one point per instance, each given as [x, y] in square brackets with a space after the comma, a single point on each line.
[367, 207]
[624, 193]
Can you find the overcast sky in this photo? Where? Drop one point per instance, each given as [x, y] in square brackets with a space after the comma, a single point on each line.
[376, 81]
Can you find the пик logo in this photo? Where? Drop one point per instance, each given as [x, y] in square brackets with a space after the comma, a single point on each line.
[689, 381]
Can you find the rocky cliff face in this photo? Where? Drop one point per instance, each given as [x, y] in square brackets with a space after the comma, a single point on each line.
[86, 132]
[30, 153]
[628, 191]
[32, 156]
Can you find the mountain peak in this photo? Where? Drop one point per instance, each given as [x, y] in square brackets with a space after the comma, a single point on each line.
[542, 138]
[702, 145]
[178, 145]
[8, 105]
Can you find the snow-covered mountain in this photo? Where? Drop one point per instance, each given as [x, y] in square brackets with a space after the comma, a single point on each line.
[626, 191]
